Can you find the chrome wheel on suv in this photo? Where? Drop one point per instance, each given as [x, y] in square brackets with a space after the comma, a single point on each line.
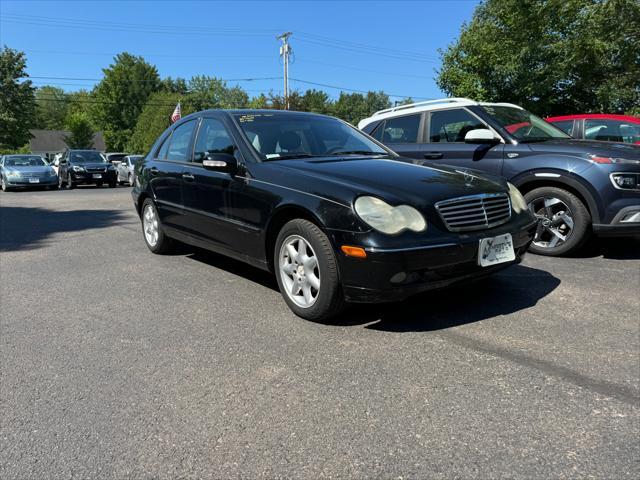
[555, 221]
[563, 221]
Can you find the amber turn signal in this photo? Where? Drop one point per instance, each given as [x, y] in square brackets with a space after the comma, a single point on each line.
[357, 252]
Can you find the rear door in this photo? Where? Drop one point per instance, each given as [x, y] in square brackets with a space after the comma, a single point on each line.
[402, 134]
[166, 171]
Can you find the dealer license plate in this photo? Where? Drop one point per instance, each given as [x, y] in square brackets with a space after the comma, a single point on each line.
[496, 250]
[34, 180]
[97, 175]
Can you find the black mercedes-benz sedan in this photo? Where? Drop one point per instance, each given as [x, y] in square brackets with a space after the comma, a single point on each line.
[332, 212]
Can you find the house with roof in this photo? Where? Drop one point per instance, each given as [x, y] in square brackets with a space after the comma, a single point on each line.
[49, 142]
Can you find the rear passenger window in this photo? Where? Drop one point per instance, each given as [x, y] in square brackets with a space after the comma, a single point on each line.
[401, 129]
[212, 138]
[162, 152]
[603, 130]
[565, 125]
[451, 126]
[179, 142]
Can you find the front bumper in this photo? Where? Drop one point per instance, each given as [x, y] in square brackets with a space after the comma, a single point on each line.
[23, 182]
[618, 228]
[88, 177]
[395, 274]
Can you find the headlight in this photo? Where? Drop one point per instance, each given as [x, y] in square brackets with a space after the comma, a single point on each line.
[625, 180]
[111, 167]
[388, 219]
[518, 203]
[77, 168]
[13, 173]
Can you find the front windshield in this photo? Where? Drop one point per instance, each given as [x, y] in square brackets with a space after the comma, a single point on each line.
[87, 156]
[281, 135]
[522, 125]
[25, 161]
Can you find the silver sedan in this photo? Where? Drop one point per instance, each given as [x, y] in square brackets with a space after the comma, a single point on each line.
[125, 169]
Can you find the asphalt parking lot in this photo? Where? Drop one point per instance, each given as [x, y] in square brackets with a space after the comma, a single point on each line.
[119, 363]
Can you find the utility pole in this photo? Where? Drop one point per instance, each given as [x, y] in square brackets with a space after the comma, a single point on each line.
[285, 51]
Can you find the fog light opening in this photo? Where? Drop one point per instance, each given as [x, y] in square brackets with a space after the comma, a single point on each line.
[631, 217]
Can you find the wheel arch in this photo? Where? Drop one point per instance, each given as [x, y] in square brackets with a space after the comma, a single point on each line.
[531, 180]
[279, 218]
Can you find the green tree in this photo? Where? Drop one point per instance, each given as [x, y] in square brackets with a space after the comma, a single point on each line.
[315, 101]
[261, 101]
[120, 97]
[154, 119]
[209, 92]
[17, 100]
[53, 105]
[550, 56]
[80, 131]
[80, 101]
[179, 85]
[353, 107]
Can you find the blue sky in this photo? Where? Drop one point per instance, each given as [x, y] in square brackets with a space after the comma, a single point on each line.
[359, 45]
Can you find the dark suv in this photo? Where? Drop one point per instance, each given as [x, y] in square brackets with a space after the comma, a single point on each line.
[574, 187]
[85, 167]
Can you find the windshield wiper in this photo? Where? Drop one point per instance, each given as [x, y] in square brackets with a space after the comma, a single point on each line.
[358, 152]
[534, 139]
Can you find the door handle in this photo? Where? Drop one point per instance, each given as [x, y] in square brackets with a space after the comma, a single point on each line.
[433, 155]
[188, 177]
[153, 171]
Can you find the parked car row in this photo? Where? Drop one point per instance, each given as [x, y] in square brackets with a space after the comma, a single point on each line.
[72, 168]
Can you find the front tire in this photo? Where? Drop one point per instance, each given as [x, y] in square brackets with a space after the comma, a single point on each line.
[3, 185]
[564, 221]
[152, 230]
[307, 271]
[70, 184]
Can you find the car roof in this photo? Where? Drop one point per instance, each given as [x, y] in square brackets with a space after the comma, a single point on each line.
[595, 116]
[426, 106]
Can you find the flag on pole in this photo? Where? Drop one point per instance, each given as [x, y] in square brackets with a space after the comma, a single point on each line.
[177, 114]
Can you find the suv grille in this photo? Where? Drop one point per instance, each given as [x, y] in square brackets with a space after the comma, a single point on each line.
[475, 212]
[96, 169]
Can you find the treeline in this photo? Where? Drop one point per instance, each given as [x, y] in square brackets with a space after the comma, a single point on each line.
[132, 105]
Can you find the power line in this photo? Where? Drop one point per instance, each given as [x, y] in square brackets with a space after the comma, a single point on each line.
[250, 79]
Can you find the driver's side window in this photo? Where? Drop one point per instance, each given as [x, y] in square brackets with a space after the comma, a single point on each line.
[451, 126]
[212, 138]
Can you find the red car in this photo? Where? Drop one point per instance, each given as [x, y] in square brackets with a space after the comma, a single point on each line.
[599, 126]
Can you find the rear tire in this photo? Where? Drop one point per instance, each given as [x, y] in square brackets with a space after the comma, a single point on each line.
[307, 271]
[152, 230]
[565, 222]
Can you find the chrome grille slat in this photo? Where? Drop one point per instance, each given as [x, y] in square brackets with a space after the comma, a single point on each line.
[475, 212]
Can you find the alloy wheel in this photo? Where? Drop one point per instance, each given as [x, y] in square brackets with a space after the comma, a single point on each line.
[299, 271]
[150, 225]
[555, 221]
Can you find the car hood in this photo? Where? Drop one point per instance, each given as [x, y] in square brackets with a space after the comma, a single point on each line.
[29, 169]
[587, 147]
[397, 180]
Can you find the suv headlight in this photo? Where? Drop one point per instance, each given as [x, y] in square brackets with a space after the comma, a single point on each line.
[626, 180]
[518, 203]
[389, 219]
[77, 168]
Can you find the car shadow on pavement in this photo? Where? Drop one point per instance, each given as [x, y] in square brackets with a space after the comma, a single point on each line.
[28, 228]
[512, 290]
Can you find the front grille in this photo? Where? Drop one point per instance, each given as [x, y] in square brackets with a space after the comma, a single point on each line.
[475, 212]
[96, 169]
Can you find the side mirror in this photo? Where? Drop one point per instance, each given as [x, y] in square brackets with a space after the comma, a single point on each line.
[481, 136]
[221, 162]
